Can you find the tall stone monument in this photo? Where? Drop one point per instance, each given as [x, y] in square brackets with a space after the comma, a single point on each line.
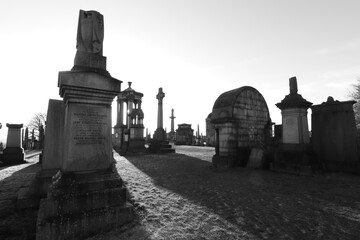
[294, 151]
[87, 195]
[159, 144]
[172, 134]
[294, 116]
[160, 133]
[129, 137]
[13, 153]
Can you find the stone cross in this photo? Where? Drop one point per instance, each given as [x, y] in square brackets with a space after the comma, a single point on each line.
[160, 97]
[293, 85]
[172, 120]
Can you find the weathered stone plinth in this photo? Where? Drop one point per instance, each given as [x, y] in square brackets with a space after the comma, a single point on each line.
[85, 198]
[87, 132]
[13, 153]
[81, 205]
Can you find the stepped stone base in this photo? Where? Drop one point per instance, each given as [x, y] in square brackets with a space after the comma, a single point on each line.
[82, 205]
[156, 146]
[29, 197]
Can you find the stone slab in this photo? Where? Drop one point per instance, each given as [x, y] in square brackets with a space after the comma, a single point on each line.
[53, 146]
[88, 138]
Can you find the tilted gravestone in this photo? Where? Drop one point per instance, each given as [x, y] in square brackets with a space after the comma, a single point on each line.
[52, 156]
[87, 195]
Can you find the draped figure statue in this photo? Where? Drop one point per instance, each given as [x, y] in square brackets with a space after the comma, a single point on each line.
[90, 33]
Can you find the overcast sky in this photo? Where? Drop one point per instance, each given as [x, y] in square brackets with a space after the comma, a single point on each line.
[195, 50]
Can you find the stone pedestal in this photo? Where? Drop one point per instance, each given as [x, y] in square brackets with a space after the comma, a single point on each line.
[294, 153]
[87, 131]
[85, 197]
[13, 153]
[78, 206]
[295, 126]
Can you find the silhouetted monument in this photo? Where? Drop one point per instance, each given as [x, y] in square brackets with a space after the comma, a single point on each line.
[294, 151]
[184, 134]
[87, 195]
[172, 134]
[334, 135]
[159, 144]
[129, 137]
[13, 153]
[160, 133]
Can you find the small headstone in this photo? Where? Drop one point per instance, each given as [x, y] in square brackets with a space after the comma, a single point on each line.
[256, 158]
[13, 153]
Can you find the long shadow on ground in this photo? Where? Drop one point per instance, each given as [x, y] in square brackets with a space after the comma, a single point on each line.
[266, 204]
[14, 223]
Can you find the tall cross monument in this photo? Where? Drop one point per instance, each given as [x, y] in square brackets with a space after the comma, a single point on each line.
[160, 133]
[172, 132]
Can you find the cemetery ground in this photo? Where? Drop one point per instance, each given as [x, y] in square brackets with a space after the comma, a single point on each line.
[179, 196]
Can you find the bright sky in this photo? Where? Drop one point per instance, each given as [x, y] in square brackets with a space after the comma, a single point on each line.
[194, 49]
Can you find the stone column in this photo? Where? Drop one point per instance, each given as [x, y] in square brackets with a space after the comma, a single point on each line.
[160, 97]
[120, 112]
[130, 108]
[160, 134]
[172, 120]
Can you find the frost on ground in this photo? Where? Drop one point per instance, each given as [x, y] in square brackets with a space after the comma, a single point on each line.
[179, 196]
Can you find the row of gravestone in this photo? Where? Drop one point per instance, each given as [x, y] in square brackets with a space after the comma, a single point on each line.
[242, 127]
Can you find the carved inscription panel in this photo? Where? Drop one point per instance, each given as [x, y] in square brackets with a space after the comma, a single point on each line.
[89, 125]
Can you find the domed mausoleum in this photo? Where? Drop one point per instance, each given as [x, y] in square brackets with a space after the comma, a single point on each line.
[241, 121]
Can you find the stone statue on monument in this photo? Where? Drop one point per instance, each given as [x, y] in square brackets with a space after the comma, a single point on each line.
[89, 43]
[90, 33]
